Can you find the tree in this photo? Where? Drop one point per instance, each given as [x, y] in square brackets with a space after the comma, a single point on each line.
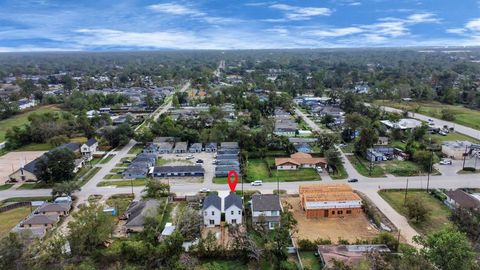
[56, 166]
[170, 249]
[448, 115]
[243, 245]
[327, 120]
[144, 136]
[334, 158]
[468, 221]
[69, 84]
[156, 189]
[448, 249]
[65, 188]
[188, 222]
[354, 120]
[44, 253]
[425, 159]
[416, 209]
[327, 140]
[89, 229]
[277, 247]
[118, 136]
[208, 246]
[58, 140]
[11, 248]
[368, 137]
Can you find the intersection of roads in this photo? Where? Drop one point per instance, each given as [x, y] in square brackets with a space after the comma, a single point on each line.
[366, 185]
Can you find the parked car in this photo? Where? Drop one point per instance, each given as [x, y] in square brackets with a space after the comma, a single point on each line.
[319, 170]
[442, 133]
[446, 162]
[256, 183]
[190, 157]
[353, 180]
[204, 190]
[199, 161]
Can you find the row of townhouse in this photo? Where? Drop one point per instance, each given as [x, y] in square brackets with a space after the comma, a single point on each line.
[167, 145]
[227, 159]
[140, 166]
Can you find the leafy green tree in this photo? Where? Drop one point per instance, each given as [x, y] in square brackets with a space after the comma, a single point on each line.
[425, 159]
[368, 137]
[448, 249]
[65, 188]
[56, 166]
[417, 209]
[89, 229]
[188, 222]
[156, 189]
[354, 121]
[327, 140]
[45, 253]
[11, 248]
[334, 158]
[58, 140]
[448, 115]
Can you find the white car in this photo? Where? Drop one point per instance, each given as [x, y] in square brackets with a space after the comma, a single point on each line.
[446, 162]
[442, 133]
[319, 170]
[204, 190]
[256, 183]
[190, 157]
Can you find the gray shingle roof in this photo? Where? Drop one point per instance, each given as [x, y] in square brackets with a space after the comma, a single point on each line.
[91, 141]
[233, 199]
[179, 169]
[266, 202]
[53, 207]
[214, 200]
[41, 219]
[463, 199]
[138, 211]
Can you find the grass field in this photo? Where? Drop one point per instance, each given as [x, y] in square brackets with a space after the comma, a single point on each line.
[310, 261]
[107, 159]
[363, 167]
[454, 136]
[439, 213]
[5, 186]
[35, 147]
[21, 119]
[120, 201]
[10, 218]
[24, 199]
[463, 116]
[161, 161]
[340, 174]
[123, 183]
[401, 168]
[136, 149]
[258, 170]
[34, 186]
[89, 175]
[221, 264]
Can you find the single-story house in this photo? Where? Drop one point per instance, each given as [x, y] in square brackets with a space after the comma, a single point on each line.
[195, 148]
[165, 147]
[56, 209]
[211, 147]
[178, 171]
[266, 209]
[228, 151]
[403, 124]
[36, 221]
[135, 172]
[460, 198]
[136, 213]
[151, 148]
[180, 147]
[227, 157]
[300, 160]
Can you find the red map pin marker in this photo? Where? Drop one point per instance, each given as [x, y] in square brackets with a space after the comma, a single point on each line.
[232, 183]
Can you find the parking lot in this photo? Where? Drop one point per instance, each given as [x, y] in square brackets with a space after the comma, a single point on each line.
[181, 159]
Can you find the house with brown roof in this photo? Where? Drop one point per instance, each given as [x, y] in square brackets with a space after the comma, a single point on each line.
[55, 209]
[300, 160]
[329, 200]
[40, 221]
[460, 198]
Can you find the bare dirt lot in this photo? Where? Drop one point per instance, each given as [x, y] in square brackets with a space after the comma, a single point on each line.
[350, 229]
[15, 160]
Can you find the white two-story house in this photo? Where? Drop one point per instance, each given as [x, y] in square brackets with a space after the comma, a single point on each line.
[87, 149]
[233, 209]
[212, 210]
[266, 210]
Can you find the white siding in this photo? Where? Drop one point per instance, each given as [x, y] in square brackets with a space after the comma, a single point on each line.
[211, 213]
[233, 213]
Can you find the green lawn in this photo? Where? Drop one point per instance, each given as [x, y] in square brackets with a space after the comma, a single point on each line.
[120, 202]
[89, 175]
[34, 186]
[439, 213]
[401, 168]
[11, 218]
[21, 119]
[221, 264]
[454, 136]
[113, 176]
[136, 149]
[310, 261]
[107, 159]
[5, 186]
[161, 161]
[463, 116]
[35, 147]
[363, 167]
[123, 183]
[258, 170]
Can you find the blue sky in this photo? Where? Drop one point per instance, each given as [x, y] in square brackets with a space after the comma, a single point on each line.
[102, 25]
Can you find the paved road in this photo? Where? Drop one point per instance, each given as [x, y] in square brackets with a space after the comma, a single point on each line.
[438, 122]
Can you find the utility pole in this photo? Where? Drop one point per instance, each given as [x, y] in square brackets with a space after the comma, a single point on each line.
[430, 165]
[464, 157]
[131, 183]
[406, 191]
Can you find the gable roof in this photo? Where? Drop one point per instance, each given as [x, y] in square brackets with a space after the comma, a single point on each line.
[138, 210]
[463, 199]
[91, 142]
[233, 199]
[53, 207]
[212, 199]
[40, 220]
[266, 202]
[179, 169]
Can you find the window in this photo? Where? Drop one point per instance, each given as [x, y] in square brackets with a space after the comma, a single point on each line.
[231, 212]
[349, 211]
[333, 212]
[340, 212]
[212, 222]
[239, 212]
[234, 221]
[205, 213]
[213, 213]
[274, 213]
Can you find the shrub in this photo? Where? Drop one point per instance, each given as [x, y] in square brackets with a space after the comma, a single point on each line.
[305, 244]
[438, 194]
[469, 169]
[281, 191]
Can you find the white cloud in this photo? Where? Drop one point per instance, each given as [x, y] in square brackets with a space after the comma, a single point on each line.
[456, 30]
[473, 25]
[335, 32]
[175, 9]
[355, 4]
[422, 18]
[302, 13]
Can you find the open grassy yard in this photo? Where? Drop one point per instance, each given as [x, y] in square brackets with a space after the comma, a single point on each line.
[5, 186]
[22, 118]
[310, 261]
[89, 175]
[24, 199]
[454, 136]
[463, 116]
[439, 212]
[38, 185]
[10, 218]
[340, 174]
[221, 264]
[107, 159]
[136, 149]
[120, 201]
[123, 183]
[363, 167]
[401, 168]
[258, 170]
